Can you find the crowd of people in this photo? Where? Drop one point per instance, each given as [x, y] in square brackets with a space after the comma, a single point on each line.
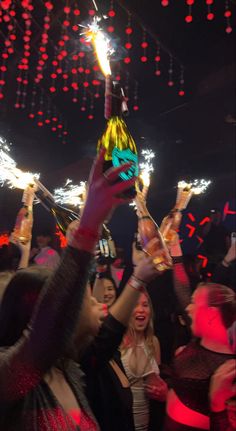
[150, 352]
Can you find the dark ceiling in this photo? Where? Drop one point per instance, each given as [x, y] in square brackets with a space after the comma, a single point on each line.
[193, 136]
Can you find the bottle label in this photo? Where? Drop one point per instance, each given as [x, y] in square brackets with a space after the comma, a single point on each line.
[119, 157]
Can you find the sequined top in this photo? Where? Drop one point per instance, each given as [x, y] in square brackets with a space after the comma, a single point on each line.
[26, 401]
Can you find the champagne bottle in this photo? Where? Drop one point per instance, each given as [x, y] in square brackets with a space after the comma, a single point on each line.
[117, 140]
[150, 237]
[170, 224]
[24, 221]
[64, 216]
[107, 246]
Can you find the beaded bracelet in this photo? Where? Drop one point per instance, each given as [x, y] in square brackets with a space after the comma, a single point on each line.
[137, 284]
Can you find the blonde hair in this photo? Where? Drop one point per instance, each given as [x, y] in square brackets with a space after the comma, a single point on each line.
[129, 339]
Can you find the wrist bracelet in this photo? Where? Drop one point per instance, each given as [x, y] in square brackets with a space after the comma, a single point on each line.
[177, 259]
[136, 284]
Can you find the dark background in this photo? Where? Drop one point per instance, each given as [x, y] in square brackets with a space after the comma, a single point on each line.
[193, 136]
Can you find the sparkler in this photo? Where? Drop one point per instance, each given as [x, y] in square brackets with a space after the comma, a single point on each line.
[146, 168]
[9, 173]
[71, 194]
[187, 190]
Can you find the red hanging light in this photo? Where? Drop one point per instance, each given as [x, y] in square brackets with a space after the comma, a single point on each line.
[128, 44]
[227, 15]
[144, 46]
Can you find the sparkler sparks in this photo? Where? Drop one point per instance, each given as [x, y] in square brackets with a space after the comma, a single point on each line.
[71, 194]
[101, 43]
[9, 173]
[197, 186]
[146, 167]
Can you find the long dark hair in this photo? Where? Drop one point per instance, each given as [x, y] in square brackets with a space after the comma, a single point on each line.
[18, 302]
[224, 299]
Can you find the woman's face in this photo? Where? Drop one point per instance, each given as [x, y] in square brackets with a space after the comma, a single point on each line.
[198, 311]
[109, 292]
[91, 316]
[141, 314]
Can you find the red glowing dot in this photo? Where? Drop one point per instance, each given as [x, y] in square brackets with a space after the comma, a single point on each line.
[10, 50]
[65, 132]
[53, 75]
[61, 43]
[144, 45]
[227, 13]
[81, 54]
[80, 69]
[135, 108]
[52, 89]
[128, 45]
[75, 28]
[75, 57]
[54, 129]
[31, 115]
[87, 71]
[210, 16]
[41, 62]
[181, 93]
[228, 29]
[76, 12]
[158, 58]
[65, 76]
[40, 112]
[59, 70]
[46, 26]
[129, 30]
[75, 86]
[13, 37]
[65, 37]
[96, 95]
[95, 82]
[73, 70]
[165, 3]
[66, 23]
[17, 105]
[110, 29]
[1, 95]
[95, 67]
[60, 126]
[118, 78]
[44, 56]
[54, 62]
[209, 2]
[86, 84]
[5, 55]
[143, 59]
[170, 83]
[127, 60]
[67, 9]
[91, 12]
[49, 5]
[188, 18]
[2, 82]
[190, 2]
[47, 121]
[111, 13]
[90, 117]
[74, 100]
[83, 108]
[40, 123]
[55, 119]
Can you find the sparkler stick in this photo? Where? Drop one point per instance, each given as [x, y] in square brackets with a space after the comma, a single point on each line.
[187, 190]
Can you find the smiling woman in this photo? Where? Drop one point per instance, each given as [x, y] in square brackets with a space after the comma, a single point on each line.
[141, 356]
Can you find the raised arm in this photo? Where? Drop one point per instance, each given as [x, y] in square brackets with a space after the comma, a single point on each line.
[57, 312]
[180, 278]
